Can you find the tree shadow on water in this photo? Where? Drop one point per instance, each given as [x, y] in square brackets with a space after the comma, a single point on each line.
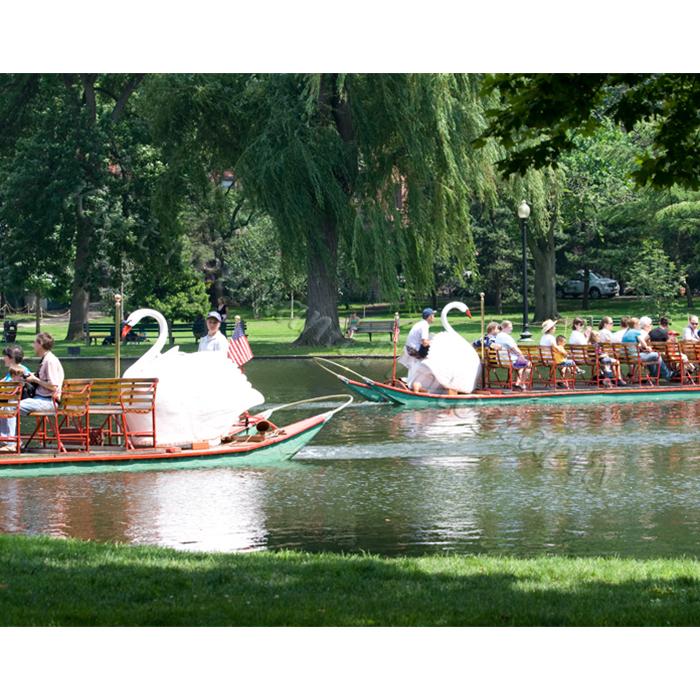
[45, 582]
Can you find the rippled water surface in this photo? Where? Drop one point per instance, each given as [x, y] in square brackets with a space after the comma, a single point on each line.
[534, 478]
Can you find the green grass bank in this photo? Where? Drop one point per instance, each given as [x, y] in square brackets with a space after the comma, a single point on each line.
[45, 581]
[273, 336]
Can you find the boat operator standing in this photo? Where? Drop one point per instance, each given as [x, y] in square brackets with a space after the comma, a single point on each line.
[416, 348]
[214, 341]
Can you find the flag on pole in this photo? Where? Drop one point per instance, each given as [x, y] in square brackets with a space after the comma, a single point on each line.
[238, 348]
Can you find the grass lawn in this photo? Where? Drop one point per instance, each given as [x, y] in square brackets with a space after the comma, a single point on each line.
[272, 336]
[45, 581]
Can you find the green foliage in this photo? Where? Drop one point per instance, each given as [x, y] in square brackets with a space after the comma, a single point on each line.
[386, 161]
[168, 283]
[655, 276]
[540, 117]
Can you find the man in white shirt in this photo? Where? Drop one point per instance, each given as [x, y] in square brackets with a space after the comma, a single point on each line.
[214, 341]
[416, 348]
[520, 363]
[690, 332]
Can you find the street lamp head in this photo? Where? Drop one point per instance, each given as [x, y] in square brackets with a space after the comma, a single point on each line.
[523, 210]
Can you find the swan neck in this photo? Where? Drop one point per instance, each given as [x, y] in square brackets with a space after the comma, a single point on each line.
[443, 316]
[155, 350]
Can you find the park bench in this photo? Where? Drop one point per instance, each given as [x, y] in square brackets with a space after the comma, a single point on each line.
[96, 330]
[370, 327]
[182, 331]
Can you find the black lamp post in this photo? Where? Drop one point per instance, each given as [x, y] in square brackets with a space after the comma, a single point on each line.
[523, 215]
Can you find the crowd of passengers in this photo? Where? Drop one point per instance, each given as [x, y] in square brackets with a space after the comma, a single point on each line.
[635, 331]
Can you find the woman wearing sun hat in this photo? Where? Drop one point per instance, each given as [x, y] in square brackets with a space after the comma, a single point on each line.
[548, 338]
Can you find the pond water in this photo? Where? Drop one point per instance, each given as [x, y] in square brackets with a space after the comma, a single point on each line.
[528, 479]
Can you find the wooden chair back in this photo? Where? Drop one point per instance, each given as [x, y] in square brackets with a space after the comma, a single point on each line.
[138, 395]
[75, 397]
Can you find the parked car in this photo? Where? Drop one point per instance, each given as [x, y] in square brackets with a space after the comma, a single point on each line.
[597, 286]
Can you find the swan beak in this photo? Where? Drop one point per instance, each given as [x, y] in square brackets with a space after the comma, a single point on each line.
[469, 313]
[125, 330]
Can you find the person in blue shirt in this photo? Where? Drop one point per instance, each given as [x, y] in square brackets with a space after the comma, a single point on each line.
[12, 356]
[638, 336]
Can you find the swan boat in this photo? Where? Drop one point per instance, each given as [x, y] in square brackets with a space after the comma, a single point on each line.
[254, 441]
[170, 410]
[452, 350]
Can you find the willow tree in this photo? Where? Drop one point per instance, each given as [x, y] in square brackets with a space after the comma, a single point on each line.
[381, 164]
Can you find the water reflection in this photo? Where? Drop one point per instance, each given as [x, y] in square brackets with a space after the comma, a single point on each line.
[578, 479]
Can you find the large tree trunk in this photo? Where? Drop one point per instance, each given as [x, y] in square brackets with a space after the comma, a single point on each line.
[80, 300]
[321, 326]
[544, 257]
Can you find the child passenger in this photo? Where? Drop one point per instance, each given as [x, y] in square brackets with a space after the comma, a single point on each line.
[561, 357]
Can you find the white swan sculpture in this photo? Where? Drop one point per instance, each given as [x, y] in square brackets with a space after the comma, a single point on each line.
[200, 395]
[452, 360]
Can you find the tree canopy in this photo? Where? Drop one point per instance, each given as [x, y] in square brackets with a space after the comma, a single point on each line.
[382, 165]
[539, 117]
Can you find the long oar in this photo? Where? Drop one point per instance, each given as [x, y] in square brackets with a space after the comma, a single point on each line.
[321, 361]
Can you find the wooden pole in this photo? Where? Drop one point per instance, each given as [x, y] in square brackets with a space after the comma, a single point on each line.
[117, 335]
[291, 306]
[396, 340]
[483, 332]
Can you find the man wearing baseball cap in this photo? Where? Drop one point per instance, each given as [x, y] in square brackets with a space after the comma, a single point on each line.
[417, 346]
[214, 341]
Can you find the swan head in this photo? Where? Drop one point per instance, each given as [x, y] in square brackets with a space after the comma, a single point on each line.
[135, 316]
[456, 305]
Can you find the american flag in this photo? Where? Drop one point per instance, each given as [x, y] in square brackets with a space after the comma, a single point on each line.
[397, 331]
[238, 348]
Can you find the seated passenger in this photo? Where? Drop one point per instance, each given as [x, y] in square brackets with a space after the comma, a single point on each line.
[580, 333]
[548, 340]
[520, 363]
[605, 333]
[662, 333]
[214, 340]
[489, 339]
[690, 332]
[617, 336]
[353, 323]
[12, 356]
[610, 366]
[650, 358]
[560, 354]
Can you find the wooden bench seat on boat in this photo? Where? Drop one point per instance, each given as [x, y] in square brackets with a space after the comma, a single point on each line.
[115, 399]
[108, 400]
[10, 396]
[69, 419]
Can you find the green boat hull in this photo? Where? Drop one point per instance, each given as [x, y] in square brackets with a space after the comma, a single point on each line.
[269, 456]
[411, 400]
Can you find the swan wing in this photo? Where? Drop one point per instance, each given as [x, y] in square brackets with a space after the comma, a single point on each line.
[199, 395]
[453, 362]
